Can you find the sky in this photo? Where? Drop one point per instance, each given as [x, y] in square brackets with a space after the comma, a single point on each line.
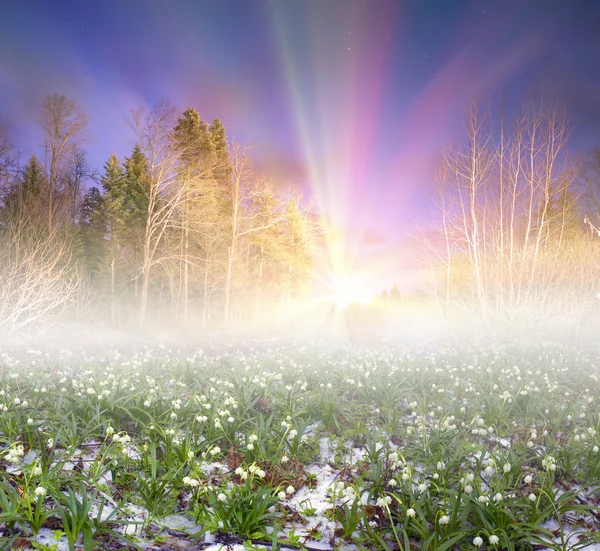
[351, 100]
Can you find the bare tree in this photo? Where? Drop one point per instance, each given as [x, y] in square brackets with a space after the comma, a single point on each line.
[168, 193]
[508, 207]
[63, 125]
[37, 276]
[242, 190]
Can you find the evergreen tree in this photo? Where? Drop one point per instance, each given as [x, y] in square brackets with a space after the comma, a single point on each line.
[34, 178]
[136, 189]
[192, 137]
[93, 228]
[219, 137]
[24, 196]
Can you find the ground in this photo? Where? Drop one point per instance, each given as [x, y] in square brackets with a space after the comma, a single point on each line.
[317, 445]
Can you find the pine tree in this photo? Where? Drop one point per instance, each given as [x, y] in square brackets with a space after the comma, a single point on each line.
[219, 137]
[93, 228]
[24, 196]
[34, 178]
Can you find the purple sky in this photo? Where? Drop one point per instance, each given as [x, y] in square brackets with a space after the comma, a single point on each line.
[350, 99]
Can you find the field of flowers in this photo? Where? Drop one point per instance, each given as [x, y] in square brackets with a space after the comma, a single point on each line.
[301, 446]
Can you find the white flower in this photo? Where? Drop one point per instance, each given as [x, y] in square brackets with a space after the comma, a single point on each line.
[445, 519]
[285, 459]
[528, 479]
[382, 501]
[290, 490]
[477, 541]
[507, 467]
[37, 471]
[222, 497]
[40, 491]
[411, 513]
[281, 495]
[468, 489]
[293, 433]
[30, 421]
[494, 539]
[532, 497]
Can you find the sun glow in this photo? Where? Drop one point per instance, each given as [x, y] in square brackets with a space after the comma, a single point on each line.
[346, 290]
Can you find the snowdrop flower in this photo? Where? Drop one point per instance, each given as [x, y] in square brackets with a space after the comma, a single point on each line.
[30, 421]
[507, 467]
[528, 479]
[147, 403]
[498, 497]
[293, 433]
[383, 501]
[532, 497]
[445, 519]
[40, 491]
[281, 495]
[290, 490]
[411, 513]
[468, 489]
[37, 471]
[222, 497]
[285, 459]
[494, 539]
[477, 541]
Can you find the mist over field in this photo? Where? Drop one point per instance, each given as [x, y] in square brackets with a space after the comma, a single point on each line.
[300, 275]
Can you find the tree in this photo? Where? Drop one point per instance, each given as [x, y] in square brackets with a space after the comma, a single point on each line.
[94, 228]
[24, 194]
[508, 209]
[63, 125]
[167, 191]
[196, 166]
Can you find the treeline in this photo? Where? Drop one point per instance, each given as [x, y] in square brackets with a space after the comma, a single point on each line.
[181, 233]
[516, 242]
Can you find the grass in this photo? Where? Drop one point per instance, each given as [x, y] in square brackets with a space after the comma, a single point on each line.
[443, 447]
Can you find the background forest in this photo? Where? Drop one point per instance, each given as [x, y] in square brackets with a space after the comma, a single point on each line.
[185, 233]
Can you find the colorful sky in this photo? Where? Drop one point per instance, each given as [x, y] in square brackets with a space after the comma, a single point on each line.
[349, 99]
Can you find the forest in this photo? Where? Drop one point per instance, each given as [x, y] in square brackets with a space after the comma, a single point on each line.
[186, 233]
[182, 231]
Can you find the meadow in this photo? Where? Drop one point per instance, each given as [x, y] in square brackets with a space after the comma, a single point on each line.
[302, 446]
